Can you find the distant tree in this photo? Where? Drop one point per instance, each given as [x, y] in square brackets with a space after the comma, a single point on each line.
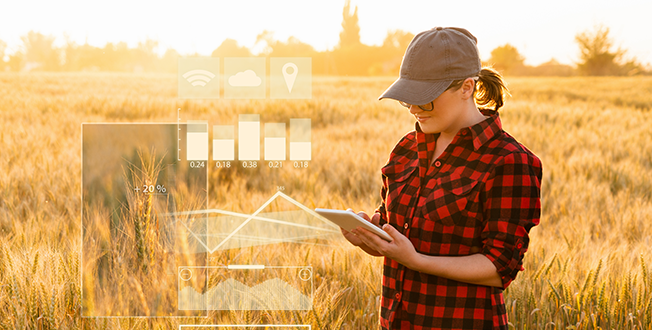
[145, 56]
[386, 60]
[266, 37]
[169, 61]
[16, 61]
[292, 47]
[633, 67]
[117, 57]
[551, 68]
[350, 35]
[398, 39]
[230, 48]
[507, 59]
[360, 60]
[81, 58]
[596, 55]
[351, 57]
[41, 52]
[3, 47]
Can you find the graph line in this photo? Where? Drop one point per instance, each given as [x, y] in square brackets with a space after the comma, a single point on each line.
[255, 216]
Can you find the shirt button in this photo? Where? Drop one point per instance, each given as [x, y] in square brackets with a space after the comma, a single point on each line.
[437, 163]
[464, 132]
[405, 225]
[398, 295]
[519, 245]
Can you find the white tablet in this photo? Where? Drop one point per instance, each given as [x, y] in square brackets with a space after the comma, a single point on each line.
[349, 221]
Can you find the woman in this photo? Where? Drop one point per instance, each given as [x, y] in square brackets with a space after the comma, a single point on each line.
[459, 194]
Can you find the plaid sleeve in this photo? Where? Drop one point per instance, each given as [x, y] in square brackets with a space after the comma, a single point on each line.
[512, 206]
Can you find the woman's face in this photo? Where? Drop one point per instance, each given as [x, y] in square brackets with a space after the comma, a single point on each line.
[445, 115]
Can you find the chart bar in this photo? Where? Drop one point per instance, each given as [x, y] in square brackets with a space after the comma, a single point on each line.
[197, 141]
[300, 139]
[223, 142]
[245, 266]
[275, 141]
[249, 137]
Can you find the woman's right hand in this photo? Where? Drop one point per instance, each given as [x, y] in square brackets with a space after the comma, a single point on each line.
[355, 240]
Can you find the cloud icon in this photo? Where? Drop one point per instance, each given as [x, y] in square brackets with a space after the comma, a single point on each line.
[246, 78]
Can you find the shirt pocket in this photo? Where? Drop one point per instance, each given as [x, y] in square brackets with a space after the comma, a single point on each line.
[399, 194]
[450, 201]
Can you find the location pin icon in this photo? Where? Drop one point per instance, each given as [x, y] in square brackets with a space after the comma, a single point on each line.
[290, 77]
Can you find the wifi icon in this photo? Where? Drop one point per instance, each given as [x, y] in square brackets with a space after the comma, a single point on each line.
[198, 77]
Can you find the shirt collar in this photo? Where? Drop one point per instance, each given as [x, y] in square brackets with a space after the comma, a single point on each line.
[480, 132]
[486, 129]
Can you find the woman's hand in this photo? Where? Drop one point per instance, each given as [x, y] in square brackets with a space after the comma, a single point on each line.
[351, 237]
[400, 249]
[355, 240]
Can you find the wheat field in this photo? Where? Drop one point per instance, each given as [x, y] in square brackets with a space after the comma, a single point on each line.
[588, 265]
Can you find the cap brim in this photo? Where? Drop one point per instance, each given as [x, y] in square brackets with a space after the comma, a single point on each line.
[415, 91]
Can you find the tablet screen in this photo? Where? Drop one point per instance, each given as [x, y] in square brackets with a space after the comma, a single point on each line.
[349, 221]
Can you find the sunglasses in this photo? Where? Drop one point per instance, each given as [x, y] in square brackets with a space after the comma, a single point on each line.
[430, 106]
[424, 107]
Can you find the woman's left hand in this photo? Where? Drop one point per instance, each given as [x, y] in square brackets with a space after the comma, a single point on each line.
[400, 249]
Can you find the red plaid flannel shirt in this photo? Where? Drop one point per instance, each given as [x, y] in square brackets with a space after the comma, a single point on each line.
[482, 195]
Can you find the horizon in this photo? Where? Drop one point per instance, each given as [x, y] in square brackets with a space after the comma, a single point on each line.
[200, 27]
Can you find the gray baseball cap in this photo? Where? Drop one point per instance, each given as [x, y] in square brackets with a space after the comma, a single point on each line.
[433, 60]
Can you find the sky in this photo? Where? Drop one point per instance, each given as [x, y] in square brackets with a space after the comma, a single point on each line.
[540, 30]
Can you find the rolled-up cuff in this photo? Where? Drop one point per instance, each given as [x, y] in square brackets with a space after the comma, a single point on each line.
[507, 264]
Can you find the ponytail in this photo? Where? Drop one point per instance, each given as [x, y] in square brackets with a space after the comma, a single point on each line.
[491, 89]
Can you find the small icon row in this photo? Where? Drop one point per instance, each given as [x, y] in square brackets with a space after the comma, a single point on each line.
[245, 77]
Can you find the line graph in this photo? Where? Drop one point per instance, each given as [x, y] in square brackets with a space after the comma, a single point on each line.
[228, 230]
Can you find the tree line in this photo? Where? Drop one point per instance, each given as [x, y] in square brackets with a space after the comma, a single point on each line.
[349, 57]
[597, 58]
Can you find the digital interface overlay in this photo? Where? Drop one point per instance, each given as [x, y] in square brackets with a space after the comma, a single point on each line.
[152, 246]
[245, 77]
[131, 249]
[246, 287]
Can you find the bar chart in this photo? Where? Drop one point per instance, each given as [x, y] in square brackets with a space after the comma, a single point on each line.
[197, 141]
[300, 143]
[275, 141]
[223, 142]
[255, 141]
[249, 137]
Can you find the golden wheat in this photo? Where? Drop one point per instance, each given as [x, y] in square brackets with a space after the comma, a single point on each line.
[588, 262]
